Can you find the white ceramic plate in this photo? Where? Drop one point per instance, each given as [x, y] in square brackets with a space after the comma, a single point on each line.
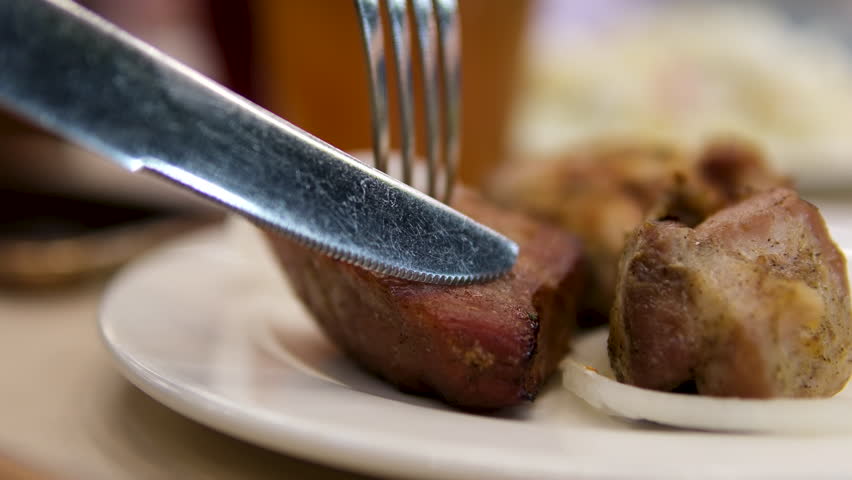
[207, 327]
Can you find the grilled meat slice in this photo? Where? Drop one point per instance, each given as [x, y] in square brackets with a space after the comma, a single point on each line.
[604, 192]
[479, 346]
[753, 302]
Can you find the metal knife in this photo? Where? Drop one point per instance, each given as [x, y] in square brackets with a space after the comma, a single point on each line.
[76, 74]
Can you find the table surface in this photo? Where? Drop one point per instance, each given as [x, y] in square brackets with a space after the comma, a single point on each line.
[66, 412]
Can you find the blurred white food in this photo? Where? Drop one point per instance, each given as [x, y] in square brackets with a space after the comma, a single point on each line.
[687, 73]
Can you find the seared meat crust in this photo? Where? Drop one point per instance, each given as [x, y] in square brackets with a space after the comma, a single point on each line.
[753, 302]
[605, 192]
[479, 346]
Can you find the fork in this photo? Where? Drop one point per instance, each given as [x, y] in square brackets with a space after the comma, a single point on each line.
[438, 45]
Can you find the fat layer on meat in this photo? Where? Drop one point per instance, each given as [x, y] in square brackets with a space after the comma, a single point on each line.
[479, 346]
[753, 302]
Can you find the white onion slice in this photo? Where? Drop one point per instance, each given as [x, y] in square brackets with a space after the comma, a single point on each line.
[587, 374]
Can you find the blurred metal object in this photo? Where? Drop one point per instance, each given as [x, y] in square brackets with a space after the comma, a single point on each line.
[371, 26]
[438, 44]
[49, 240]
[425, 30]
[78, 75]
[47, 263]
[449, 50]
[401, 39]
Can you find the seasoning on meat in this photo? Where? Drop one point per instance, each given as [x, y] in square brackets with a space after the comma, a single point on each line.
[753, 302]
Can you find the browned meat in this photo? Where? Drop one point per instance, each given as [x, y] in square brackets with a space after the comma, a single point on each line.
[606, 191]
[724, 173]
[754, 302]
[479, 346]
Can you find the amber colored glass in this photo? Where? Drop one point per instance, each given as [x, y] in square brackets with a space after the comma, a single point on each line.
[311, 71]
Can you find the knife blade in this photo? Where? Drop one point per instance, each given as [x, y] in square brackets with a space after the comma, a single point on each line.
[78, 75]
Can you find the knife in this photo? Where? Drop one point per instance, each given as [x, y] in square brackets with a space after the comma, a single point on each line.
[85, 79]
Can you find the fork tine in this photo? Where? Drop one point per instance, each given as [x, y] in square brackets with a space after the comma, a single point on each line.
[371, 31]
[424, 23]
[449, 47]
[401, 37]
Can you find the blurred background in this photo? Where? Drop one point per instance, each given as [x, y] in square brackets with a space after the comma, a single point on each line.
[541, 78]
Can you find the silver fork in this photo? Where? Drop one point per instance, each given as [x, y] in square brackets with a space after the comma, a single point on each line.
[438, 45]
